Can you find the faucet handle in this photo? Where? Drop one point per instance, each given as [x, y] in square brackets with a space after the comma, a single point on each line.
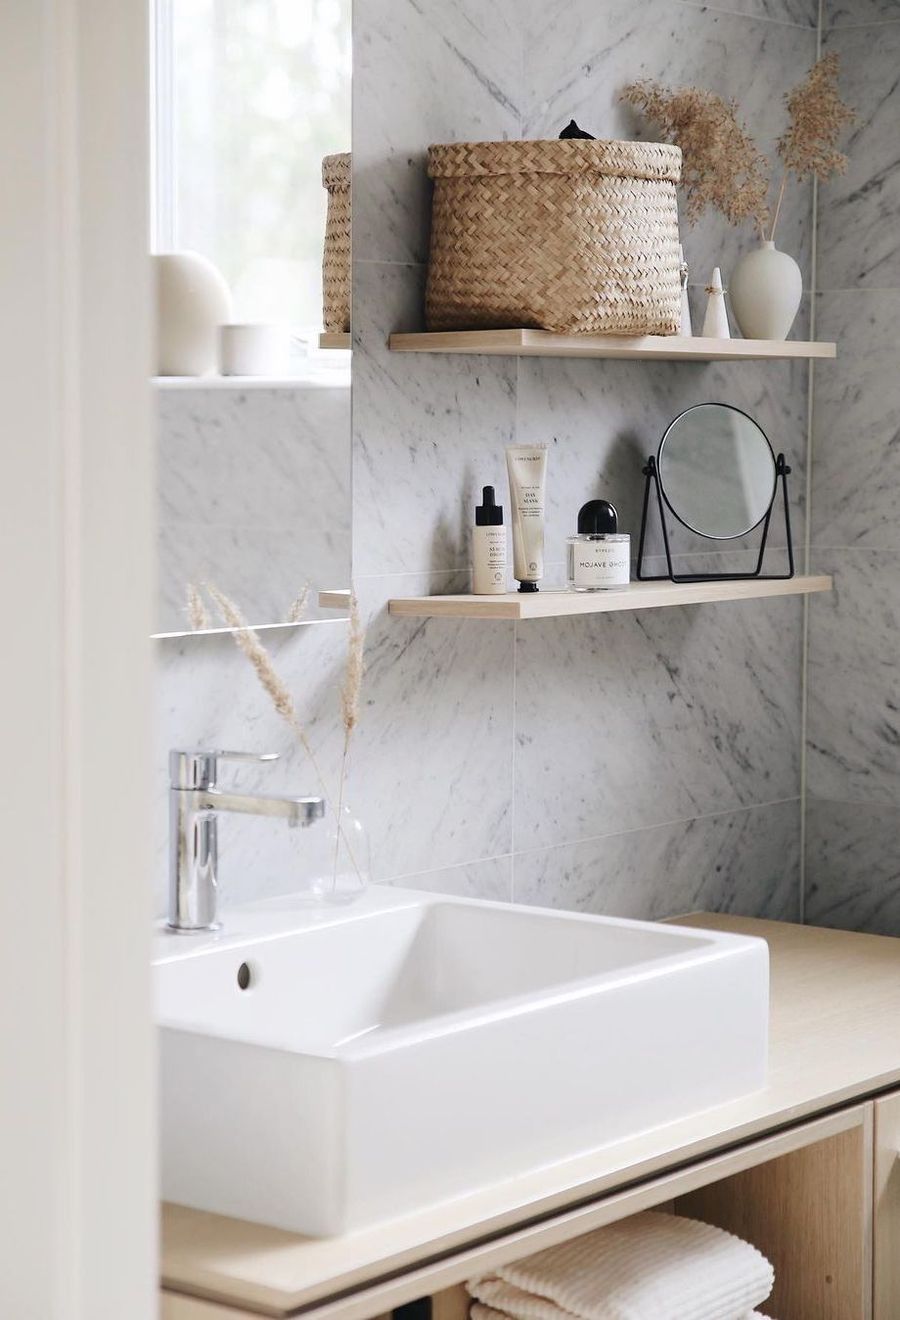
[199, 768]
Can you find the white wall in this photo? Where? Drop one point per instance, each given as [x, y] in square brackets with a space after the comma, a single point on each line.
[77, 1211]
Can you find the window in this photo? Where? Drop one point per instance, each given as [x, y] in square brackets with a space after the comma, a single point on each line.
[249, 95]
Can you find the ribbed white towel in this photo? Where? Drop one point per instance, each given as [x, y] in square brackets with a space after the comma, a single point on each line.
[652, 1266]
[479, 1312]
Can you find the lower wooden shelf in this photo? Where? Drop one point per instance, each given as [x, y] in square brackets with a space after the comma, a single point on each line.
[636, 596]
[335, 339]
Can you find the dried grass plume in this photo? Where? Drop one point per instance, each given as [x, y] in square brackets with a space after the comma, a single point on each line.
[722, 166]
[808, 146]
[247, 640]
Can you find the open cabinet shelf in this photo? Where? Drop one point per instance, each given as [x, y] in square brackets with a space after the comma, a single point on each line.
[543, 343]
[636, 596]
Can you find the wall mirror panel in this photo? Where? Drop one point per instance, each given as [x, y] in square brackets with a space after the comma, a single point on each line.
[253, 385]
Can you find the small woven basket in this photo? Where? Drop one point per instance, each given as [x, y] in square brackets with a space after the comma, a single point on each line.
[336, 260]
[575, 236]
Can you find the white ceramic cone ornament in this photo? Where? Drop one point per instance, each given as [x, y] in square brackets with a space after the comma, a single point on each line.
[715, 323]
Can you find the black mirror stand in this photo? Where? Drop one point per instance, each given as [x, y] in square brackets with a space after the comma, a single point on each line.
[651, 474]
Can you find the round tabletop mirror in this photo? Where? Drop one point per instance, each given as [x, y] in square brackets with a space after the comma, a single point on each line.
[717, 471]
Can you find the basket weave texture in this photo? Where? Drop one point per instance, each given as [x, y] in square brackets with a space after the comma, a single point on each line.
[336, 260]
[573, 236]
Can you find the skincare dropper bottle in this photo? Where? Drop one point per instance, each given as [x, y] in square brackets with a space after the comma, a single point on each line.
[488, 547]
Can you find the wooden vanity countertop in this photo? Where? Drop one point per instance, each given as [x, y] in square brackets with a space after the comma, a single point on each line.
[834, 1039]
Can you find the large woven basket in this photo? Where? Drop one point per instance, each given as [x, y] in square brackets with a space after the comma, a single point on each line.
[575, 236]
[336, 261]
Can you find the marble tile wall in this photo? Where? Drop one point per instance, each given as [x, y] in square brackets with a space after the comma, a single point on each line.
[253, 494]
[643, 764]
[853, 734]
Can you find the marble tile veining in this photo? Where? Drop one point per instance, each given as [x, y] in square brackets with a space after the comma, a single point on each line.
[424, 72]
[853, 736]
[853, 866]
[431, 764]
[580, 57]
[746, 862]
[851, 13]
[856, 431]
[253, 495]
[429, 432]
[858, 236]
[624, 721]
[490, 878]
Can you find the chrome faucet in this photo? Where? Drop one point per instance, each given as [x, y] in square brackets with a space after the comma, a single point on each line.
[195, 801]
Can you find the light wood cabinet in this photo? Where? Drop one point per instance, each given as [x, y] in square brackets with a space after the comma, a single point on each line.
[887, 1207]
[821, 1200]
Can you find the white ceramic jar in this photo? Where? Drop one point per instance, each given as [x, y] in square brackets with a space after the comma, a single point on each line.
[193, 300]
[766, 287]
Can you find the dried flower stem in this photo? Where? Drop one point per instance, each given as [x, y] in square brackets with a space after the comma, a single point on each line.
[196, 610]
[248, 642]
[350, 690]
[298, 607]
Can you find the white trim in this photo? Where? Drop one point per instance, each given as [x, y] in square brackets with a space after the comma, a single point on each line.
[77, 1122]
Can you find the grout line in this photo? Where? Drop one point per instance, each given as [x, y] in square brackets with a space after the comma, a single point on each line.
[590, 838]
[658, 825]
[807, 527]
[750, 18]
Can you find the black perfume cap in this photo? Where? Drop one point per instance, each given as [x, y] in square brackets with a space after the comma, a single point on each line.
[598, 517]
[488, 513]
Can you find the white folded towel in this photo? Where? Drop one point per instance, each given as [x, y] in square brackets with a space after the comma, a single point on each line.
[652, 1266]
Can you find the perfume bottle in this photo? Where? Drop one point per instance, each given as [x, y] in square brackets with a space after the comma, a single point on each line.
[599, 556]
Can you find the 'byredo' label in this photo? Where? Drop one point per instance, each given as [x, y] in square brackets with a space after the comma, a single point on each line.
[601, 564]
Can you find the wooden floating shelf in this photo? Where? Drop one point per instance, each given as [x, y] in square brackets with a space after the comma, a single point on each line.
[543, 343]
[329, 339]
[636, 596]
[335, 599]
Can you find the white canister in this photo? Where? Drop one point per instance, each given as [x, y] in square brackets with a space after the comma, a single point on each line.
[254, 350]
[599, 557]
[192, 302]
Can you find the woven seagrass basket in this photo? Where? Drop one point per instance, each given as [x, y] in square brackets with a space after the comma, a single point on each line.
[575, 236]
[336, 261]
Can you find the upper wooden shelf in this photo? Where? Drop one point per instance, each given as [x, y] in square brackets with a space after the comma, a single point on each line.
[332, 339]
[542, 343]
[636, 596]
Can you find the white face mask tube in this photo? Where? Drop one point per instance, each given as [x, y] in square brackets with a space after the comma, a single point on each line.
[527, 468]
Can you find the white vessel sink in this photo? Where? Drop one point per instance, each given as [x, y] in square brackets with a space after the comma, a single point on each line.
[415, 1048]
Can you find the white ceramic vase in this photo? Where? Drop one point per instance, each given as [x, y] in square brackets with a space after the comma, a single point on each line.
[766, 287]
[193, 300]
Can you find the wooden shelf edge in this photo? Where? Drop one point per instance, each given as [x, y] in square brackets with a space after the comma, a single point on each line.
[636, 596]
[331, 339]
[544, 343]
[335, 599]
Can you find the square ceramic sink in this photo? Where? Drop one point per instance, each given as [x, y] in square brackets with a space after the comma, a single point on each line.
[378, 1059]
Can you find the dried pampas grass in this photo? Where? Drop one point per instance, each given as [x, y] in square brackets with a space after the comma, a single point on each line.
[248, 642]
[722, 165]
[298, 606]
[808, 146]
[196, 609]
[350, 690]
